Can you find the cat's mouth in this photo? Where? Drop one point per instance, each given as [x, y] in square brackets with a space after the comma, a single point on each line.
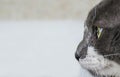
[95, 63]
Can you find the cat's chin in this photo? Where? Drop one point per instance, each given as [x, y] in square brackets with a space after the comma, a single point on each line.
[94, 63]
[100, 66]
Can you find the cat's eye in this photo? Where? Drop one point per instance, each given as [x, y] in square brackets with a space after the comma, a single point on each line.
[99, 31]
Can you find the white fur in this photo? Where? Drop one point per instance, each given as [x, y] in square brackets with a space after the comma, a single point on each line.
[98, 63]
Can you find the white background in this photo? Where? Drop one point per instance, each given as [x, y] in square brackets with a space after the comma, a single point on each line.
[40, 49]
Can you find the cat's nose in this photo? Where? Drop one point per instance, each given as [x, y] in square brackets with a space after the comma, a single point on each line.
[77, 56]
[81, 54]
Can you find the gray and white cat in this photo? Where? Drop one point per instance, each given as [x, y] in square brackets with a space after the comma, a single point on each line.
[99, 51]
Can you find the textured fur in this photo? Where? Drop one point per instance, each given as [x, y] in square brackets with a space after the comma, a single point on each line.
[101, 56]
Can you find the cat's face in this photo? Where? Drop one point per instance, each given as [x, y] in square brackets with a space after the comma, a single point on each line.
[99, 51]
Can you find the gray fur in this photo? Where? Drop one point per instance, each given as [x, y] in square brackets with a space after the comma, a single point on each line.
[105, 15]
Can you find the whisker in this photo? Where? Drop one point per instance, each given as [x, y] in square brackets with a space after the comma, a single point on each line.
[116, 54]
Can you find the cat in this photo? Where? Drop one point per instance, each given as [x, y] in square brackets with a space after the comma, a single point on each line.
[99, 51]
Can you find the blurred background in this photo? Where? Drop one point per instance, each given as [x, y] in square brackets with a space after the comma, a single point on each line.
[38, 38]
[45, 9]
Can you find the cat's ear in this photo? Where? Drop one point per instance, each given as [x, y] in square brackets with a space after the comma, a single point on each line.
[105, 15]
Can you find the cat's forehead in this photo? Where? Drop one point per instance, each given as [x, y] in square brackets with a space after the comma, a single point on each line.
[106, 14]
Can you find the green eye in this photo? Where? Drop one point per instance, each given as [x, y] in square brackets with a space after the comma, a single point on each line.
[99, 31]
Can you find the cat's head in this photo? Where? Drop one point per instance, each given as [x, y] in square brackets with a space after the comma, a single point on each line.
[100, 47]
